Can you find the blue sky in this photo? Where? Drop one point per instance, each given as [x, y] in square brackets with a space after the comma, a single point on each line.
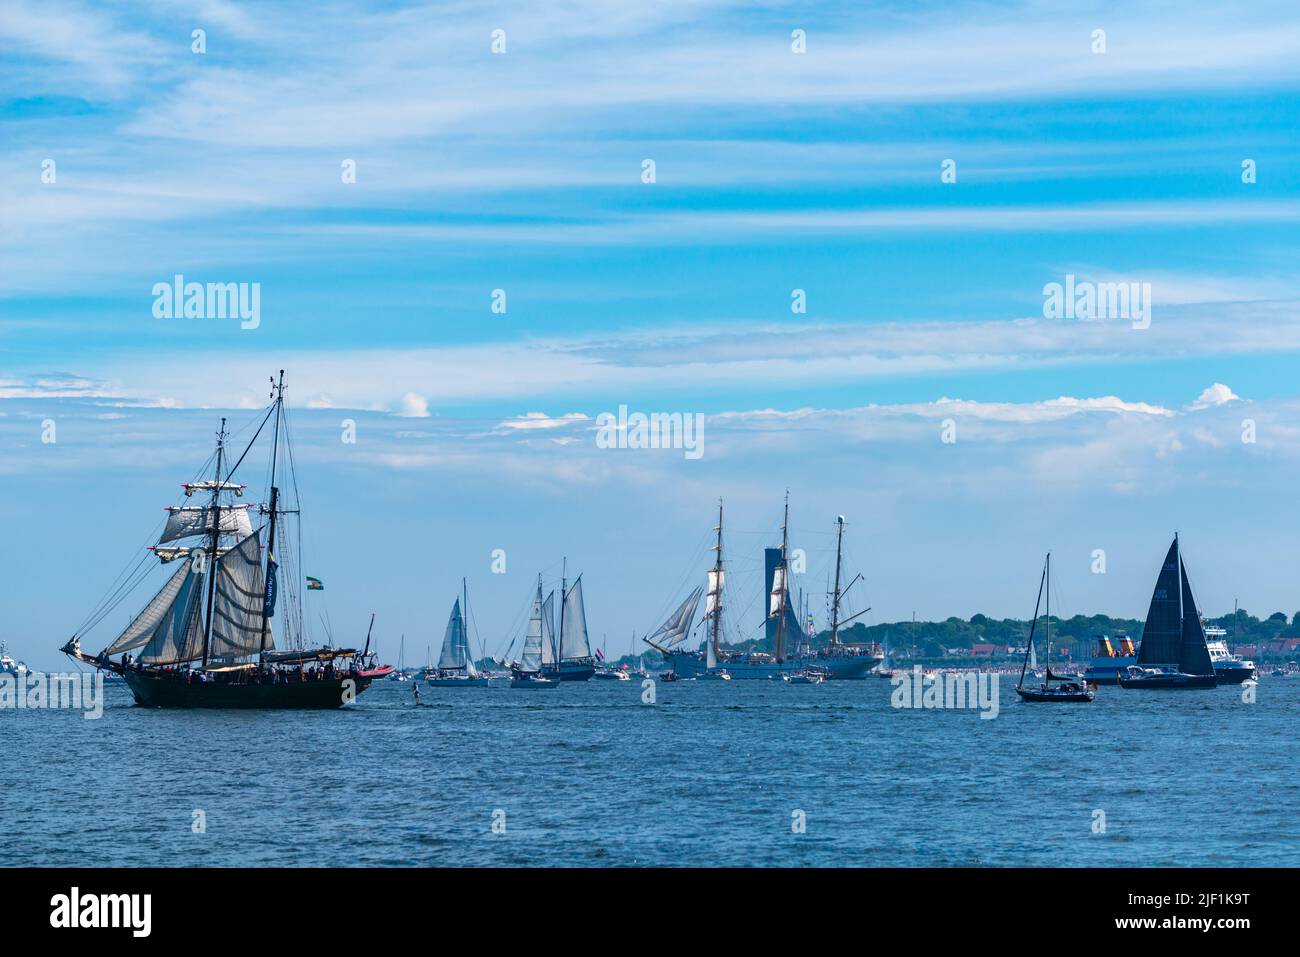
[775, 171]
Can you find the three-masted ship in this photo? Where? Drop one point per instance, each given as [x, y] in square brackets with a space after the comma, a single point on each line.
[207, 638]
[784, 634]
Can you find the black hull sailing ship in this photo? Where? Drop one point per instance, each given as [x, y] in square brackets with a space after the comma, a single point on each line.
[1173, 654]
[206, 639]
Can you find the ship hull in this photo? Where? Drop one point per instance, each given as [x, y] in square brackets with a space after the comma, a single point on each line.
[577, 670]
[836, 667]
[158, 691]
[1233, 674]
[1031, 694]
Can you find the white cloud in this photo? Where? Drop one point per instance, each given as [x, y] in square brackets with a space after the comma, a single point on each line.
[540, 420]
[1217, 394]
[414, 406]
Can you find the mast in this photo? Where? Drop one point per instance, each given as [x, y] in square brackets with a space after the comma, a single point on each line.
[835, 595]
[564, 600]
[214, 542]
[464, 619]
[717, 584]
[1047, 651]
[1032, 628]
[1178, 560]
[785, 580]
[277, 393]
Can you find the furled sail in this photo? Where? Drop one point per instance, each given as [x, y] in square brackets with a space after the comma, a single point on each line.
[184, 521]
[575, 625]
[208, 485]
[1195, 657]
[179, 634]
[675, 629]
[169, 553]
[141, 629]
[716, 577]
[454, 646]
[548, 631]
[237, 602]
[1162, 636]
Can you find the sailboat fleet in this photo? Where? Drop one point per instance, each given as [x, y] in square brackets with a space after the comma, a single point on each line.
[211, 638]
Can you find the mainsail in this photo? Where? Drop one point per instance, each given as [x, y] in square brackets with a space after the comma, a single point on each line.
[184, 521]
[455, 644]
[237, 602]
[674, 630]
[548, 633]
[574, 635]
[1195, 656]
[531, 658]
[1162, 633]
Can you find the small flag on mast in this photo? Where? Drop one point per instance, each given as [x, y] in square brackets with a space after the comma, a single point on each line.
[600, 655]
[315, 584]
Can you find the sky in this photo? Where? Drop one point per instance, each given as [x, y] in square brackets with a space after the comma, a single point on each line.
[921, 172]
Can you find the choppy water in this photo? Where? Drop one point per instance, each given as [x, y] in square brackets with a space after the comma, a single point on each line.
[710, 774]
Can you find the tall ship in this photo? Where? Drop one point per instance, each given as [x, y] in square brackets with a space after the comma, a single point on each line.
[207, 638]
[1173, 653]
[791, 650]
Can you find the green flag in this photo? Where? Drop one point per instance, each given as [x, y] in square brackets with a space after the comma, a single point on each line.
[315, 584]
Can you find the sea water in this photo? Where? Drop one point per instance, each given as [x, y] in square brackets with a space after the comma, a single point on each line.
[711, 773]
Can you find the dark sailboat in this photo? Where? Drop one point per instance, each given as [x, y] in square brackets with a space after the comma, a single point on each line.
[1173, 653]
[1066, 689]
[206, 640]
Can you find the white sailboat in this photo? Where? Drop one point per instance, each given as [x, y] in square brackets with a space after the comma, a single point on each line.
[538, 647]
[456, 663]
[400, 674]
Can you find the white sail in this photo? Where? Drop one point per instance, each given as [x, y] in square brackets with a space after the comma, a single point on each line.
[185, 521]
[575, 625]
[674, 630]
[710, 659]
[716, 577]
[778, 590]
[548, 632]
[531, 658]
[1033, 657]
[453, 655]
[141, 629]
[237, 603]
[178, 636]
